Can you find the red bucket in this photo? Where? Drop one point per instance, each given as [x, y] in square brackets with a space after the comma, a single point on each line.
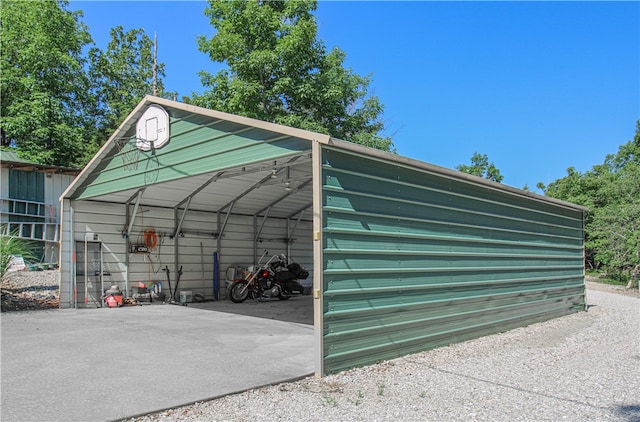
[113, 301]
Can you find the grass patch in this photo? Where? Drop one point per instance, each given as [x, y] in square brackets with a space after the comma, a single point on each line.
[330, 400]
[358, 399]
[605, 279]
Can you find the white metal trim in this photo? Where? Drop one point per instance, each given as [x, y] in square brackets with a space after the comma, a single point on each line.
[318, 297]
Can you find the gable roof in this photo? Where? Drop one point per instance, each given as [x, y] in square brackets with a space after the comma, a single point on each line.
[207, 147]
[9, 159]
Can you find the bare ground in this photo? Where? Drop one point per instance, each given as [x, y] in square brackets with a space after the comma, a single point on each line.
[30, 290]
[593, 284]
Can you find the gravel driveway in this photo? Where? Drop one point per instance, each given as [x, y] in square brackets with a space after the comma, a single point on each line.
[582, 367]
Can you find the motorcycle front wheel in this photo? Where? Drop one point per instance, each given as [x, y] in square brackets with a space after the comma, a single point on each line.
[239, 292]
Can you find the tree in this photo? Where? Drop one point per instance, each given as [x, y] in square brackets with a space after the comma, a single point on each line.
[278, 71]
[121, 76]
[611, 191]
[481, 167]
[43, 86]
[58, 104]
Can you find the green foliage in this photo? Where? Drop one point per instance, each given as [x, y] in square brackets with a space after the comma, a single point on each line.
[612, 193]
[278, 71]
[11, 245]
[481, 167]
[58, 103]
[122, 75]
[330, 400]
[43, 85]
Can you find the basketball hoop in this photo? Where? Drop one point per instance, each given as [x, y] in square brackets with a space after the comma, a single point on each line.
[152, 129]
[151, 169]
[152, 133]
[129, 153]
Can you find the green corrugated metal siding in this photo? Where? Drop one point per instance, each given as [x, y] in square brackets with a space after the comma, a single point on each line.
[26, 185]
[415, 260]
[196, 146]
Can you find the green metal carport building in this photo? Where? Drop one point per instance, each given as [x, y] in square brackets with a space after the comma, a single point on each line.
[404, 256]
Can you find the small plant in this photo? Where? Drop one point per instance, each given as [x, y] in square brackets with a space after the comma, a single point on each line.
[283, 387]
[358, 399]
[381, 388]
[10, 246]
[330, 400]
[423, 394]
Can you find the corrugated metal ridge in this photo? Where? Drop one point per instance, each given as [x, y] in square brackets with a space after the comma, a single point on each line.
[218, 137]
[247, 121]
[387, 252]
[222, 136]
[398, 289]
[149, 100]
[420, 321]
[362, 232]
[487, 228]
[443, 207]
[213, 138]
[445, 269]
[411, 163]
[431, 189]
[493, 322]
[106, 148]
[196, 127]
[550, 294]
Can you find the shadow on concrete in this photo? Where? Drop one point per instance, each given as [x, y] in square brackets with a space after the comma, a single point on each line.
[297, 309]
[629, 413]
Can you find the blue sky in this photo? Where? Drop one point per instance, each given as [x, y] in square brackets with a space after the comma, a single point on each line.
[537, 86]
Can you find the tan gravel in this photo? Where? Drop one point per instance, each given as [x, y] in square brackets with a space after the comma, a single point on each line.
[579, 367]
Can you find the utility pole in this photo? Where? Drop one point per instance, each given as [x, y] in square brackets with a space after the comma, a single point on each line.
[155, 58]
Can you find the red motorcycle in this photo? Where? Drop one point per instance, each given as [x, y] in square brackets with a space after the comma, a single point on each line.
[274, 278]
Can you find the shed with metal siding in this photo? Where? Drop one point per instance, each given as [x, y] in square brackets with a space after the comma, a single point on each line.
[29, 206]
[406, 256]
[415, 259]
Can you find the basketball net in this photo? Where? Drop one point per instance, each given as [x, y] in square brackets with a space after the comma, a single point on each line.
[129, 153]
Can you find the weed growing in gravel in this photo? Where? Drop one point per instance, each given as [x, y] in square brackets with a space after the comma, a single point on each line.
[358, 400]
[381, 388]
[330, 400]
[423, 394]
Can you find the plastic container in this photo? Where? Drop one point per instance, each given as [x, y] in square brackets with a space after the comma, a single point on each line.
[185, 296]
[114, 300]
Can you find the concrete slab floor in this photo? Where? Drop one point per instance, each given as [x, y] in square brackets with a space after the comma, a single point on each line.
[108, 364]
[297, 309]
